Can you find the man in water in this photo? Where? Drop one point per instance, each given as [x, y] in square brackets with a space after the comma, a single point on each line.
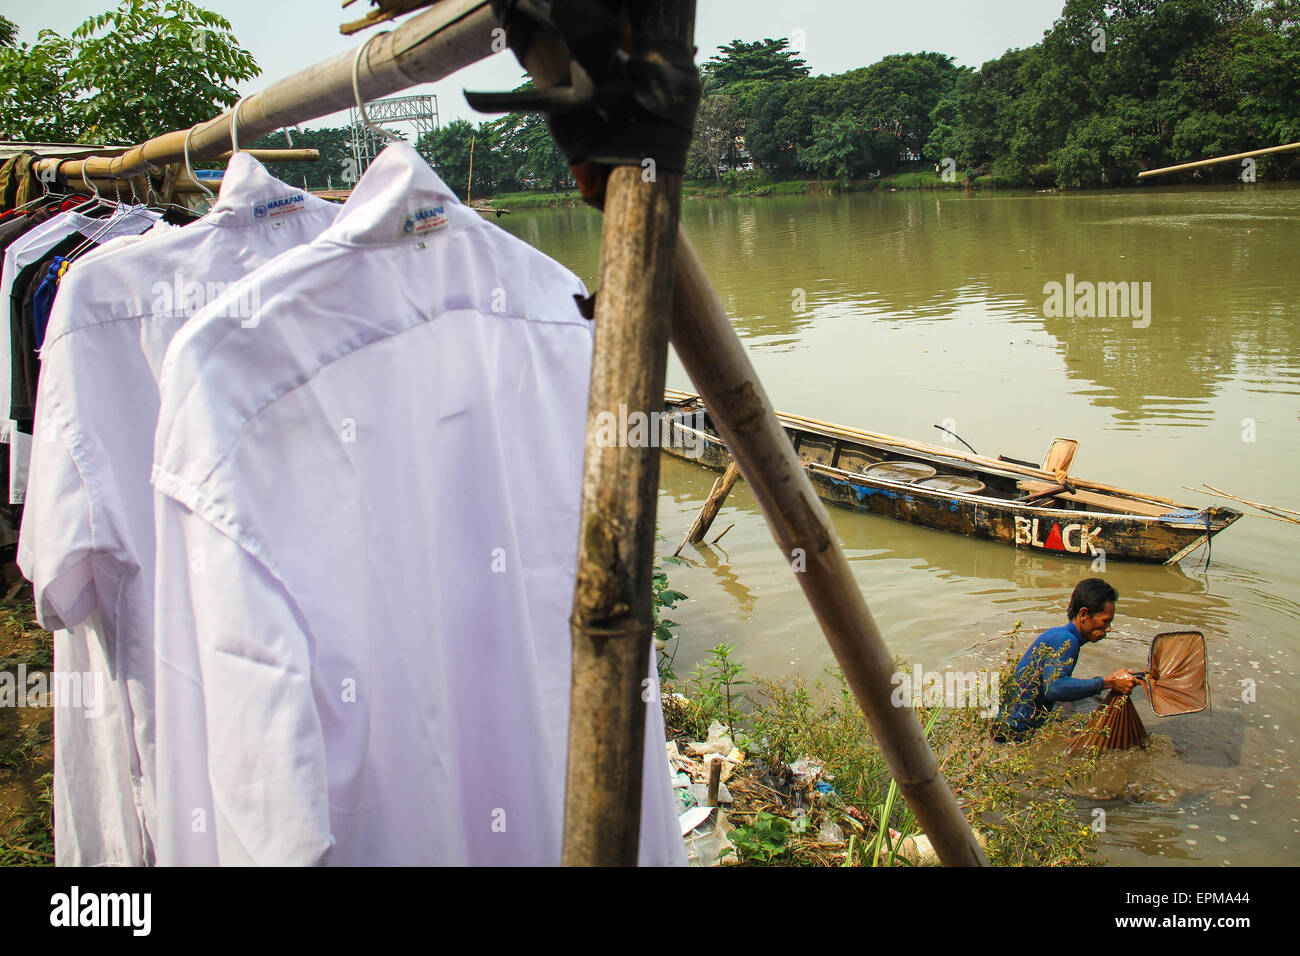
[1045, 675]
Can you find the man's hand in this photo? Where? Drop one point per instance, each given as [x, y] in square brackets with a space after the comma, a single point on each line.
[1121, 680]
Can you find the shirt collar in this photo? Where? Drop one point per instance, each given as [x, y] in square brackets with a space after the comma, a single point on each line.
[399, 199]
[1074, 632]
[250, 195]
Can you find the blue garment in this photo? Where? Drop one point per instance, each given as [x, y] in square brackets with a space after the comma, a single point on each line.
[43, 299]
[1045, 676]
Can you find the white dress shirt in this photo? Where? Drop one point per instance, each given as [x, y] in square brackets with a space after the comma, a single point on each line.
[87, 536]
[367, 529]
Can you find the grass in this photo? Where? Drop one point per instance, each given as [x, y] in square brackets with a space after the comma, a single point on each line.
[26, 740]
[1010, 794]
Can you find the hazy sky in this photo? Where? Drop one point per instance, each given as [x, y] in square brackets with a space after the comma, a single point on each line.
[289, 35]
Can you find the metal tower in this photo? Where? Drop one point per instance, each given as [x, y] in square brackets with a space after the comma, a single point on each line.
[419, 111]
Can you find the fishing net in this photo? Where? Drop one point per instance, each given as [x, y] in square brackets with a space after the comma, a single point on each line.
[1113, 726]
[1177, 680]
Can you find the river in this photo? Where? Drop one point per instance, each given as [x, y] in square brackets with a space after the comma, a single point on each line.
[894, 312]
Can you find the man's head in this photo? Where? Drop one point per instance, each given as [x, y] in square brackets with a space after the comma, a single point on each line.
[1092, 608]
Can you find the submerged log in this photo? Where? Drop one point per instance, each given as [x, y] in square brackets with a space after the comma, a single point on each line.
[712, 505]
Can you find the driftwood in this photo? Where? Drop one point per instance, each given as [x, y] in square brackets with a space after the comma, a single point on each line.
[709, 510]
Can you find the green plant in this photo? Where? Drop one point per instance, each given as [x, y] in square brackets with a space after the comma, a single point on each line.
[885, 812]
[763, 841]
[665, 597]
[715, 680]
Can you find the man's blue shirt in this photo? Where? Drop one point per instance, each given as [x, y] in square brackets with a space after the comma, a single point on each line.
[1044, 676]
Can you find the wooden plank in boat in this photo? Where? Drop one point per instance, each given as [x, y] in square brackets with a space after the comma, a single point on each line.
[1109, 502]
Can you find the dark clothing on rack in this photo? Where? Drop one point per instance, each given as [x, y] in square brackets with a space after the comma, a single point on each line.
[43, 300]
[24, 360]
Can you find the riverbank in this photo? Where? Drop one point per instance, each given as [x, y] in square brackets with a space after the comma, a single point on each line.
[757, 186]
[804, 783]
[26, 734]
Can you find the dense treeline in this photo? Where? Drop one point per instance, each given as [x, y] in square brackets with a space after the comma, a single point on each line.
[1118, 87]
[1113, 87]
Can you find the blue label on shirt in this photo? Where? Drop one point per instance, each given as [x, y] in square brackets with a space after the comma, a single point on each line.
[426, 219]
[271, 208]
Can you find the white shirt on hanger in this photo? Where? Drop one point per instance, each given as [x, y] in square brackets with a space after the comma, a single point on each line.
[31, 247]
[87, 537]
[367, 529]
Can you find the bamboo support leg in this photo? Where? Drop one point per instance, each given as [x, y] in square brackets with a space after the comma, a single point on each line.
[717, 363]
[712, 505]
[612, 615]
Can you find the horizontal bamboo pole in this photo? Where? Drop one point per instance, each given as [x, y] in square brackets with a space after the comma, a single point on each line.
[429, 46]
[716, 361]
[1289, 147]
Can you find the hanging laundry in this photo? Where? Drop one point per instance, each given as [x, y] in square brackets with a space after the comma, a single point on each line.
[87, 536]
[367, 523]
[58, 235]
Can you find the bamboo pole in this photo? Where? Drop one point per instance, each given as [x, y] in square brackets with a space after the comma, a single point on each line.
[1273, 511]
[1289, 147]
[716, 361]
[612, 619]
[427, 47]
[712, 505]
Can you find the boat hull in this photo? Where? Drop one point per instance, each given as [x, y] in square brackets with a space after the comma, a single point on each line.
[1094, 536]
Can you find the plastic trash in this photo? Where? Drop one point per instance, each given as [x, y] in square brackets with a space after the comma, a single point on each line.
[701, 793]
[719, 742]
[808, 770]
[707, 840]
[830, 832]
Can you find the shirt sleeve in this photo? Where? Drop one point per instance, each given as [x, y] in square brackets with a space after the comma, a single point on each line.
[241, 753]
[1059, 682]
[56, 539]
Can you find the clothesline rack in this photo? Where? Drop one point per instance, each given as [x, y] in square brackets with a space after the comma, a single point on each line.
[652, 290]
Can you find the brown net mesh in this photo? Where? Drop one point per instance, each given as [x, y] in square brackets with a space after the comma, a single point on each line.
[1177, 673]
[1115, 725]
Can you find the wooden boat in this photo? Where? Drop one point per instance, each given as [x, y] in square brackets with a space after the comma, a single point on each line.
[1007, 500]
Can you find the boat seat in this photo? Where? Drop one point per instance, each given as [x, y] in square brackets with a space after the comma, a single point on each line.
[1096, 499]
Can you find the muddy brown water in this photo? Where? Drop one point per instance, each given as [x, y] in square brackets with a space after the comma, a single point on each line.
[923, 309]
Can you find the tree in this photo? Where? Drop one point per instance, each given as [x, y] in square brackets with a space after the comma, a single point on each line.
[8, 31]
[715, 136]
[334, 145]
[763, 60]
[123, 76]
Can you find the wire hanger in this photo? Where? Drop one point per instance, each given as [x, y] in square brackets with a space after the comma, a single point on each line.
[96, 200]
[189, 170]
[356, 89]
[234, 126]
